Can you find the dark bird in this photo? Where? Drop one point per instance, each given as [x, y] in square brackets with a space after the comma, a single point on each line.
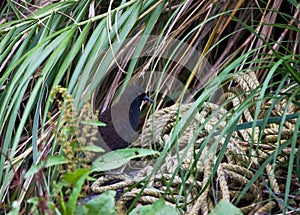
[122, 119]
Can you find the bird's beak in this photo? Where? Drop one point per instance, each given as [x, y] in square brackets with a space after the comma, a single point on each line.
[147, 99]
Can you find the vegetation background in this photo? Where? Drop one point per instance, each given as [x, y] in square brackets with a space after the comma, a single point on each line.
[253, 51]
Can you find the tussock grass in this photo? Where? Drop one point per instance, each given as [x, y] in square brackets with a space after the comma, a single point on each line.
[241, 55]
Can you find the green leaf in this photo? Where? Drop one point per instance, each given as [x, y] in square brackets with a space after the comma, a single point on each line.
[51, 161]
[73, 177]
[77, 179]
[159, 207]
[93, 148]
[15, 208]
[225, 207]
[93, 122]
[118, 158]
[103, 204]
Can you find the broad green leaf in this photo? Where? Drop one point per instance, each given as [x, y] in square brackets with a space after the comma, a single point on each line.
[224, 207]
[103, 204]
[118, 158]
[159, 207]
[77, 179]
[93, 148]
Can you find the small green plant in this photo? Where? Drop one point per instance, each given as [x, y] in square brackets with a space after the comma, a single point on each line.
[70, 166]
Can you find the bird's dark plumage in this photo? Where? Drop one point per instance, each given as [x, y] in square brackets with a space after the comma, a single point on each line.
[122, 119]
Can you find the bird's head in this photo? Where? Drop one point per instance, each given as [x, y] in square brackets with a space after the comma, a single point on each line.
[135, 95]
